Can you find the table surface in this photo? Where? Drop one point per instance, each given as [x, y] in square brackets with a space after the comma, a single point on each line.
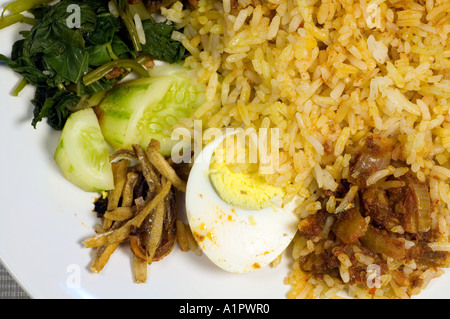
[9, 289]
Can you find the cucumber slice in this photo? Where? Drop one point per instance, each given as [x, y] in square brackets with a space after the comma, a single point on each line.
[116, 109]
[137, 111]
[82, 153]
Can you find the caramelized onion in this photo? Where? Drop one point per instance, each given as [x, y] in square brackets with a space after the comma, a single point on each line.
[423, 206]
[350, 226]
[380, 242]
[368, 161]
[375, 156]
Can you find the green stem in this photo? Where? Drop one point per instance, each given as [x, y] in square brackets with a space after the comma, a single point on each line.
[23, 83]
[11, 19]
[100, 72]
[124, 14]
[111, 52]
[139, 8]
[19, 6]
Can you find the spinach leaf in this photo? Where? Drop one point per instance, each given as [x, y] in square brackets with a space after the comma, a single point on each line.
[98, 55]
[69, 59]
[52, 55]
[121, 48]
[159, 44]
[52, 34]
[99, 6]
[24, 65]
[106, 27]
[55, 105]
[63, 48]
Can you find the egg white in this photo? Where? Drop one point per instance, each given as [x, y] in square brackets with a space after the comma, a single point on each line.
[235, 239]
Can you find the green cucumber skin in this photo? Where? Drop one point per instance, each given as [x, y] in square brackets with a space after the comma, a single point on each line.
[82, 153]
[136, 112]
[115, 111]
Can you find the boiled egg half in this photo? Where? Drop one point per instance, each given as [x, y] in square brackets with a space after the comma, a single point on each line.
[237, 219]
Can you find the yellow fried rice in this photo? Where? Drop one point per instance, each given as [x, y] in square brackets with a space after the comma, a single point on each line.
[329, 74]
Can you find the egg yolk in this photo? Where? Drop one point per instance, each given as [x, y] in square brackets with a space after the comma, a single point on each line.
[241, 189]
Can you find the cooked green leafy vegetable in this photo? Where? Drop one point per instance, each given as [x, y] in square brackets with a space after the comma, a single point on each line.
[75, 49]
[55, 105]
[159, 44]
[20, 6]
[15, 18]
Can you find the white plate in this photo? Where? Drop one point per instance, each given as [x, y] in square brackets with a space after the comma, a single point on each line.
[43, 219]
